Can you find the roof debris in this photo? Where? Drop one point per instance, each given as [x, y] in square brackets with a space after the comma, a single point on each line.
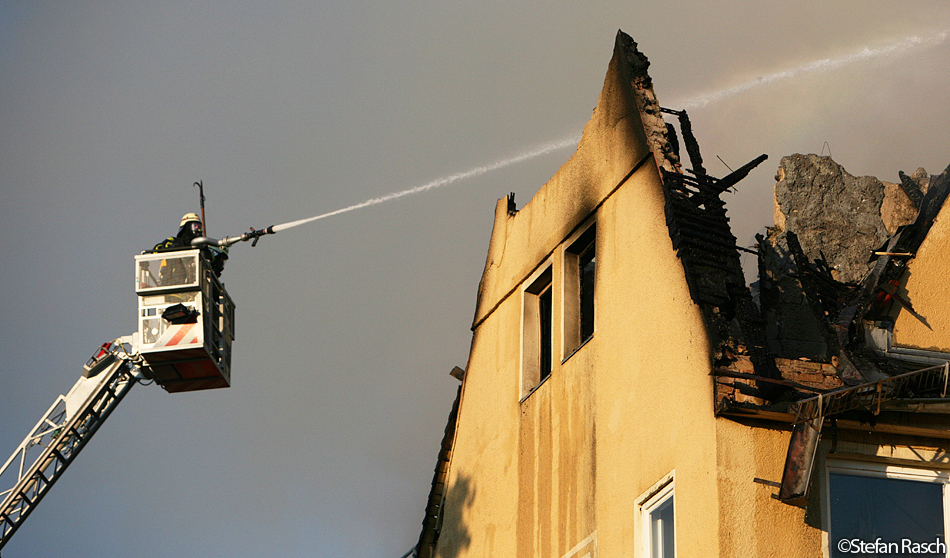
[831, 274]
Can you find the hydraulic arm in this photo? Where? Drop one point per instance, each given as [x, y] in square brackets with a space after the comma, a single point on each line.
[183, 343]
[63, 431]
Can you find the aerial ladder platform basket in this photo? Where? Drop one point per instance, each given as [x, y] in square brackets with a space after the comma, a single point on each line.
[185, 321]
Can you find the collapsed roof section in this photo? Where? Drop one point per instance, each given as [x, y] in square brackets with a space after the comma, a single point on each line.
[839, 274]
[833, 281]
[833, 310]
[831, 269]
[835, 333]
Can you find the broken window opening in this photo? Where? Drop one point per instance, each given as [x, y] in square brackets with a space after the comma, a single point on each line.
[544, 310]
[580, 265]
[588, 262]
[537, 335]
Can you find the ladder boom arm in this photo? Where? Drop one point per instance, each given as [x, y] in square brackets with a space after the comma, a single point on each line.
[61, 434]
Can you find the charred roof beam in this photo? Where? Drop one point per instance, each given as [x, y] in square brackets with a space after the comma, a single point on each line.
[911, 188]
[735, 176]
[692, 146]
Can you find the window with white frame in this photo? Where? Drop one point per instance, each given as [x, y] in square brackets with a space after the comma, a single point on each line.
[580, 263]
[886, 510]
[658, 520]
[536, 335]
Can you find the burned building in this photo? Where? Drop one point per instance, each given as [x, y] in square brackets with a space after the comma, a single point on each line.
[628, 394]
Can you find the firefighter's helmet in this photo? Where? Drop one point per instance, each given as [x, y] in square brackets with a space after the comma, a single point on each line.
[189, 217]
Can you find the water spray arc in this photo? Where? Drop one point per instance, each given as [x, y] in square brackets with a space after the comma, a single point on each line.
[254, 235]
[445, 180]
[817, 66]
[820, 66]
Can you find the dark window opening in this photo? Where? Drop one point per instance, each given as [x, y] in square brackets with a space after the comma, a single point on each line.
[538, 333]
[587, 263]
[580, 265]
[544, 313]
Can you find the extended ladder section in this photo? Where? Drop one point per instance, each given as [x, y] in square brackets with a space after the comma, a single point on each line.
[63, 431]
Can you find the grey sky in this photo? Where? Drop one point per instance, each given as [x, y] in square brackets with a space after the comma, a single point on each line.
[347, 327]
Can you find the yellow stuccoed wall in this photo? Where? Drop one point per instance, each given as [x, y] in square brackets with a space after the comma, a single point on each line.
[560, 473]
[926, 284]
[654, 409]
[752, 523]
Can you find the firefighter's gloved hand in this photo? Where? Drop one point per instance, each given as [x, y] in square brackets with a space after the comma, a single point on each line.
[218, 257]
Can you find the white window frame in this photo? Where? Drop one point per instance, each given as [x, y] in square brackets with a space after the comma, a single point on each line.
[886, 471]
[660, 493]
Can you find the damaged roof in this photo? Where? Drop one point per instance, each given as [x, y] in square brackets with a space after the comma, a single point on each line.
[830, 329]
[831, 278]
[831, 269]
[834, 294]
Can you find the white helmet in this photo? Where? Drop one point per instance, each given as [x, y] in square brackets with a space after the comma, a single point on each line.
[189, 217]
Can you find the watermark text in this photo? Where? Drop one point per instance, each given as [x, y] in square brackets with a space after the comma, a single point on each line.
[904, 546]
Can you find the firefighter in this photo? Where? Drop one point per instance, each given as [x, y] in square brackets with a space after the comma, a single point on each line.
[189, 229]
